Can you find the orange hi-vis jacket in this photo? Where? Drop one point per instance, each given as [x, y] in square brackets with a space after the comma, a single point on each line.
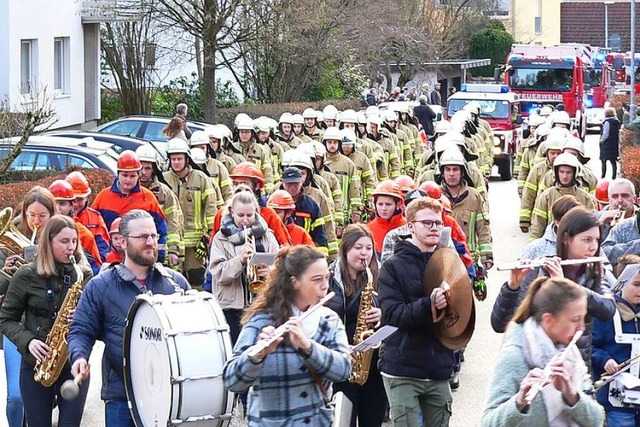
[112, 203]
[380, 227]
[88, 243]
[299, 236]
[92, 219]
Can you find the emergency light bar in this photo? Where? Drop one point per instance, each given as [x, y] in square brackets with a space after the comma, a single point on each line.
[484, 88]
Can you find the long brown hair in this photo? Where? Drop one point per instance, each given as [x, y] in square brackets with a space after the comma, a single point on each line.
[279, 293]
[574, 222]
[351, 235]
[45, 262]
[36, 194]
[173, 128]
[547, 295]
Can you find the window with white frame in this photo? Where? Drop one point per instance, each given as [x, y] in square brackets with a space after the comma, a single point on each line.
[28, 65]
[537, 20]
[61, 64]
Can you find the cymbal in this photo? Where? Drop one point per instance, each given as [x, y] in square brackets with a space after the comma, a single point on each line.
[455, 329]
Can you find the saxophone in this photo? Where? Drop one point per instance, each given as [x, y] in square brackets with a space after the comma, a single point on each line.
[48, 370]
[362, 360]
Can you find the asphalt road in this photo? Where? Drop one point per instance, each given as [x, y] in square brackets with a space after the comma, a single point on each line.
[484, 347]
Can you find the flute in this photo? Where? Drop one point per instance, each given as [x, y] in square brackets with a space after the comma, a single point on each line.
[539, 262]
[542, 382]
[282, 329]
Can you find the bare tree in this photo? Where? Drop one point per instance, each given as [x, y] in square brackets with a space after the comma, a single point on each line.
[37, 114]
[215, 25]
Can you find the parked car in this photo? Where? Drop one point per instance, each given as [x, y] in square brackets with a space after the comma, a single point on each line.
[119, 142]
[48, 153]
[148, 128]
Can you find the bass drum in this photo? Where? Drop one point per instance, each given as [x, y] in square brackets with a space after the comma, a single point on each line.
[175, 348]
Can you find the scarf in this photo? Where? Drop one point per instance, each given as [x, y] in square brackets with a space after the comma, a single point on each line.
[539, 350]
[236, 234]
[626, 312]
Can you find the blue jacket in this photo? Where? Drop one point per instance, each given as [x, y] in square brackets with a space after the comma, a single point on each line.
[605, 346]
[102, 315]
[413, 350]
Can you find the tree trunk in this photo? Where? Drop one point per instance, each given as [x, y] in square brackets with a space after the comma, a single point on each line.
[209, 82]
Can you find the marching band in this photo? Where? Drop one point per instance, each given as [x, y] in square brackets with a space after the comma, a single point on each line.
[282, 271]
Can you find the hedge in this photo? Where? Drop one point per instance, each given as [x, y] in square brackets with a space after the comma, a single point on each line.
[228, 115]
[12, 194]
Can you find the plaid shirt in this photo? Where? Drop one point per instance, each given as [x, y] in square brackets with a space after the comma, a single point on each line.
[281, 390]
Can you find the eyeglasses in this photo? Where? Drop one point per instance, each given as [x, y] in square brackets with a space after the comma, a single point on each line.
[146, 237]
[427, 223]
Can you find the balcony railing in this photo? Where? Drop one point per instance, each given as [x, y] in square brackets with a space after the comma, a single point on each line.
[94, 11]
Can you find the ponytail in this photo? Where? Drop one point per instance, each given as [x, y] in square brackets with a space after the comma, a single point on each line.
[547, 295]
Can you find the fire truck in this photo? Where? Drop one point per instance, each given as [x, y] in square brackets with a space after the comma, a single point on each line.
[599, 86]
[543, 75]
[501, 108]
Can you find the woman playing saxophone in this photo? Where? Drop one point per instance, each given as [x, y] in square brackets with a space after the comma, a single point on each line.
[37, 207]
[37, 291]
[356, 303]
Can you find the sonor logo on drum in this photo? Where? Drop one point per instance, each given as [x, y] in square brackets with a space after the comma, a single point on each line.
[151, 334]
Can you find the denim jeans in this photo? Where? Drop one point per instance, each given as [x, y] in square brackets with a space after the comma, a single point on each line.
[117, 414]
[12, 359]
[623, 418]
[38, 407]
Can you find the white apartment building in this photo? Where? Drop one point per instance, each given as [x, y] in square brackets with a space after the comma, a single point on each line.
[55, 44]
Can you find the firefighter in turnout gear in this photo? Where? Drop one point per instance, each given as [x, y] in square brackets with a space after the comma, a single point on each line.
[285, 131]
[553, 147]
[311, 127]
[212, 166]
[298, 128]
[254, 152]
[307, 214]
[330, 116]
[484, 129]
[197, 200]
[468, 206]
[301, 161]
[345, 170]
[432, 168]
[401, 141]
[529, 154]
[263, 136]
[199, 158]
[283, 204]
[534, 121]
[585, 178]
[441, 128]
[366, 174]
[151, 177]
[220, 137]
[565, 168]
[411, 129]
[335, 186]
[349, 120]
[382, 136]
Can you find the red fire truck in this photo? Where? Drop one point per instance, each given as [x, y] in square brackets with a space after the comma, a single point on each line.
[599, 86]
[543, 75]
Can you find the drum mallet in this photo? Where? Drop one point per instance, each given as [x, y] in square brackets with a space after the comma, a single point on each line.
[70, 388]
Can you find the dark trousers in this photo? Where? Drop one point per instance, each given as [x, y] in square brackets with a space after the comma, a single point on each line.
[369, 400]
[614, 167]
[117, 414]
[39, 400]
[233, 317]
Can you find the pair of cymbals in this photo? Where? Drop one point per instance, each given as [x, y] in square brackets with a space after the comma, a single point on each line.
[455, 329]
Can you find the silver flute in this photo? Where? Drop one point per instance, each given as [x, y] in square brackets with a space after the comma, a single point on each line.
[546, 372]
[283, 329]
[539, 262]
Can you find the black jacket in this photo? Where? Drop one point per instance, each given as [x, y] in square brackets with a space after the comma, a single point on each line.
[600, 304]
[609, 147]
[29, 310]
[425, 116]
[413, 350]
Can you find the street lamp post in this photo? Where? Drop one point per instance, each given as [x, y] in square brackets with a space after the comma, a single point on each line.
[606, 22]
[632, 102]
